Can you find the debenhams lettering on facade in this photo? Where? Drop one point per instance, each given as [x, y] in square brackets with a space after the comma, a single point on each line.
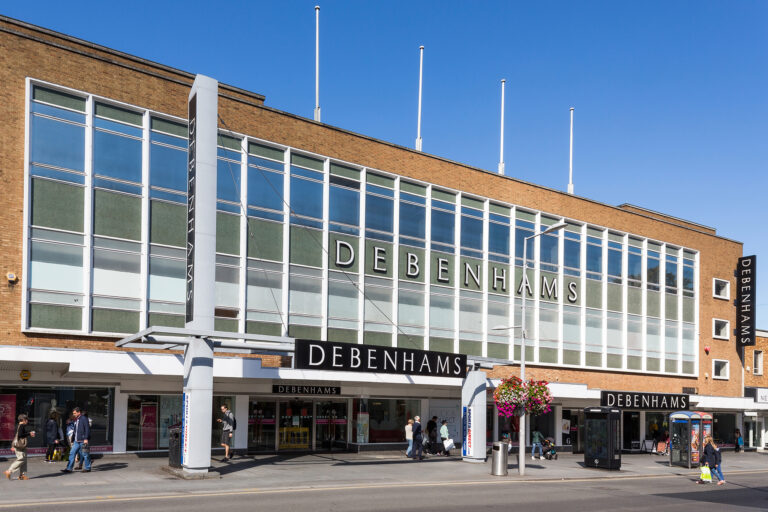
[471, 273]
[650, 401]
[329, 355]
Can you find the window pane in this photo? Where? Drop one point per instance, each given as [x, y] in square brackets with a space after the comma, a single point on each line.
[56, 267]
[166, 279]
[116, 274]
[442, 227]
[412, 220]
[307, 198]
[56, 143]
[228, 181]
[344, 206]
[265, 189]
[471, 233]
[379, 213]
[116, 156]
[498, 238]
[168, 168]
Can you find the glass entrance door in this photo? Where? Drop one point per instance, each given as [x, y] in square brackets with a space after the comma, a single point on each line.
[631, 430]
[295, 425]
[331, 426]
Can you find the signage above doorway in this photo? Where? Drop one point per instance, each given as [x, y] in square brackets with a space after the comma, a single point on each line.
[648, 401]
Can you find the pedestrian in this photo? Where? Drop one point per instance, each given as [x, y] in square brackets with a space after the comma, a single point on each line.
[409, 437]
[19, 447]
[418, 438]
[537, 438]
[714, 459]
[227, 428]
[432, 435]
[444, 436]
[81, 435]
[51, 435]
[739, 441]
[79, 459]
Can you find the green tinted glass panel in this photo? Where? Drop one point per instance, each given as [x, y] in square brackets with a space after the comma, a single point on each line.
[527, 216]
[59, 98]
[265, 240]
[307, 162]
[634, 362]
[571, 357]
[413, 342]
[263, 328]
[379, 258]
[57, 205]
[689, 306]
[471, 274]
[594, 294]
[654, 304]
[117, 215]
[168, 223]
[342, 253]
[113, 320]
[442, 269]
[498, 351]
[306, 247]
[346, 172]
[670, 306]
[615, 300]
[634, 300]
[572, 290]
[118, 114]
[652, 364]
[381, 339]
[162, 125]
[227, 233]
[500, 210]
[228, 142]
[499, 278]
[55, 317]
[342, 335]
[225, 324]
[163, 320]
[670, 365]
[688, 367]
[593, 359]
[472, 203]
[412, 264]
[378, 179]
[266, 151]
[413, 188]
[440, 345]
[614, 361]
[443, 196]
[471, 348]
[547, 355]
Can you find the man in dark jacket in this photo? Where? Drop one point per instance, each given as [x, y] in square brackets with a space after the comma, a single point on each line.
[51, 435]
[432, 435]
[418, 438]
[82, 435]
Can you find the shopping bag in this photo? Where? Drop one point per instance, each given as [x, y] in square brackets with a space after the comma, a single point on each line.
[706, 474]
[448, 444]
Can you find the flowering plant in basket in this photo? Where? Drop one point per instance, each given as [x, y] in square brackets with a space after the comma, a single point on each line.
[513, 396]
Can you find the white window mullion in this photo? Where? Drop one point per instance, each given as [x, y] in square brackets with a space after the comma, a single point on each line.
[26, 265]
[244, 238]
[88, 216]
[427, 266]
[583, 288]
[485, 276]
[663, 307]
[457, 273]
[286, 240]
[145, 220]
[561, 290]
[604, 310]
[513, 286]
[535, 287]
[362, 257]
[325, 253]
[644, 305]
[396, 263]
[624, 301]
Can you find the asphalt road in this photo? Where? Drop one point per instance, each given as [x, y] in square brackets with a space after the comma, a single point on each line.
[746, 491]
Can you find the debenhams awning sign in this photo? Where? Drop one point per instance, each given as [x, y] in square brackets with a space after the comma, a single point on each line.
[347, 357]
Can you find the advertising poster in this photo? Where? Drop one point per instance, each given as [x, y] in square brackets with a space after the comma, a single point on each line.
[185, 430]
[7, 420]
[466, 427]
[362, 427]
[170, 416]
[566, 430]
[695, 444]
[148, 423]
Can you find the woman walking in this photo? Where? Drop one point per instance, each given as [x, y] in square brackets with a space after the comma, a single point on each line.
[51, 435]
[444, 436]
[716, 460]
[19, 447]
[409, 437]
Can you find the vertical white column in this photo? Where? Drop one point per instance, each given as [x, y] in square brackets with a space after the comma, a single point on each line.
[144, 265]
[557, 411]
[583, 291]
[201, 274]
[625, 300]
[244, 238]
[427, 265]
[457, 274]
[120, 422]
[396, 263]
[88, 215]
[241, 417]
[325, 249]
[484, 276]
[361, 258]
[563, 292]
[285, 303]
[604, 311]
[25, 263]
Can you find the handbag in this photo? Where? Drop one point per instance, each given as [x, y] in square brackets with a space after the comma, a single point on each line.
[448, 444]
[706, 474]
[19, 444]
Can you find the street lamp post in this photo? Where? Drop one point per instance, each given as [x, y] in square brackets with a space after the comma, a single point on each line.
[521, 428]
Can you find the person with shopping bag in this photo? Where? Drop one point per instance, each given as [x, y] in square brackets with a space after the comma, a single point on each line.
[19, 447]
[445, 437]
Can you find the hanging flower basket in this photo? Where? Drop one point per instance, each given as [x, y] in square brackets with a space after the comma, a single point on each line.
[513, 397]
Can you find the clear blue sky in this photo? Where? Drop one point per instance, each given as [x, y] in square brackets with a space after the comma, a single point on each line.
[671, 98]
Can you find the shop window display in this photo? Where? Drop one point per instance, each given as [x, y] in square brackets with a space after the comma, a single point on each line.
[38, 403]
[382, 420]
[149, 418]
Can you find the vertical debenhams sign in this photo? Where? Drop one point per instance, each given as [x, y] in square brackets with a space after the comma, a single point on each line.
[745, 303]
[191, 175]
[329, 355]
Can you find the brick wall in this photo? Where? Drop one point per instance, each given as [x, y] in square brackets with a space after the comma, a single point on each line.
[44, 55]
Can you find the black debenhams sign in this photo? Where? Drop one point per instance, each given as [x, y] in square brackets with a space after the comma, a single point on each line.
[650, 401]
[330, 355]
[746, 278]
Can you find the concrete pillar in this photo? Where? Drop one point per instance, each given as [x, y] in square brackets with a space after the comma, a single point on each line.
[642, 429]
[241, 416]
[557, 411]
[473, 404]
[120, 422]
[201, 273]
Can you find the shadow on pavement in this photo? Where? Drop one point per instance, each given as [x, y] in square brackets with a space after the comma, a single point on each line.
[722, 495]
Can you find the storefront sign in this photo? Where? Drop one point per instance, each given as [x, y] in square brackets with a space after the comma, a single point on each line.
[745, 301]
[649, 401]
[185, 430]
[282, 389]
[328, 355]
[761, 397]
[191, 186]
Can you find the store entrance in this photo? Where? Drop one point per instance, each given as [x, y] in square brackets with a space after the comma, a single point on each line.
[296, 422]
[331, 425]
[631, 437]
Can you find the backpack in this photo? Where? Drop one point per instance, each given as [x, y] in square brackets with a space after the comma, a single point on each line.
[234, 422]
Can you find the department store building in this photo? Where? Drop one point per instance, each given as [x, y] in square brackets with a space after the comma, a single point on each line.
[324, 234]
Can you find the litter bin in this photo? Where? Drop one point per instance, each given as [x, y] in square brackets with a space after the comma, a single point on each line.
[174, 447]
[499, 458]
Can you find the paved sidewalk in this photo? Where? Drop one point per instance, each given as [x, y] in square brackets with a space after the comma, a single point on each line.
[127, 475]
